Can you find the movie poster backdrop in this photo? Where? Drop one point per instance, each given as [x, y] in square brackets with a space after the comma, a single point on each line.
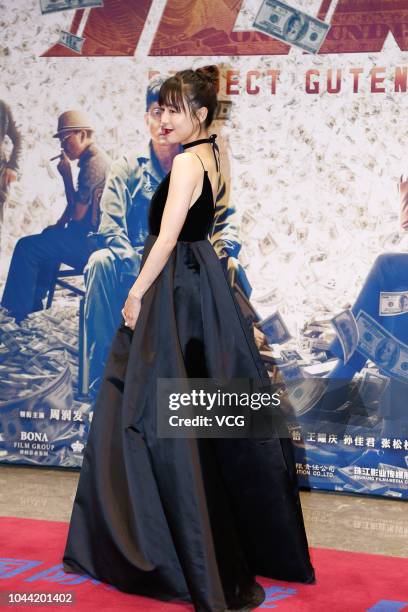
[313, 131]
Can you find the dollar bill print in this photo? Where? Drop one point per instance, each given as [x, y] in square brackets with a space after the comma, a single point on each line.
[372, 385]
[347, 331]
[267, 297]
[304, 394]
[314, 344]
[275, 329]
[267, 244]
[52, 6]
[223, 112]
[287, 24]
[71, 41]
[248, 222]
[377, 344]
[393, 303]
[291, 355]
[291, 371]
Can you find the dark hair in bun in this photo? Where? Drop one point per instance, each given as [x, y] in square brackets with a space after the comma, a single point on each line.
[211, 73]
[196, 88]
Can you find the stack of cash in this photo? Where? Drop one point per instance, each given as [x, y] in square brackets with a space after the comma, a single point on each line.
[57, 327]
[28, 362]
[32, 353]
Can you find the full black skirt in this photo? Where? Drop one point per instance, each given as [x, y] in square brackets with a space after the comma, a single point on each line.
[189, 519]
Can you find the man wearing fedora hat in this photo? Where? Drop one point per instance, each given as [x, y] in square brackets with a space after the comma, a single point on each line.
[35, 257]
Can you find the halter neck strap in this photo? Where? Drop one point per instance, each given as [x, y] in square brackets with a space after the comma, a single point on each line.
[214, 145]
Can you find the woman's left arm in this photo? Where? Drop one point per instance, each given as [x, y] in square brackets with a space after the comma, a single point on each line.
[183, 179]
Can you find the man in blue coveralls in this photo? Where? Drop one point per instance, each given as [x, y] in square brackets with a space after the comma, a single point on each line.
[388, 274]
[111, 270]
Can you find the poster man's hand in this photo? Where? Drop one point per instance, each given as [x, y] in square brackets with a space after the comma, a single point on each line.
[64, 167]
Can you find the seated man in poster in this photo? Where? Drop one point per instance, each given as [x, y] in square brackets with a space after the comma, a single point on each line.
[112, 269]
[383, 339]
[35, 257]
[384, 298]
[387, 278]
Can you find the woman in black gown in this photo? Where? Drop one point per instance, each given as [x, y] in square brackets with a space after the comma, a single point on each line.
[191, 519]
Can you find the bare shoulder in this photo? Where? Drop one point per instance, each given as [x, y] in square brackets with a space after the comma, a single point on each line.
[185, 162]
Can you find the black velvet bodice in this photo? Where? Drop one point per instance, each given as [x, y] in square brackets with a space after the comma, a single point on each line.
[199, 217]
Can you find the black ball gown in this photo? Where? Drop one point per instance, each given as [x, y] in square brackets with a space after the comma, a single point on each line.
[191, 519]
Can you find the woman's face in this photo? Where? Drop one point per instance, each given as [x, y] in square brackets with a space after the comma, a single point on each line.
[177, 125]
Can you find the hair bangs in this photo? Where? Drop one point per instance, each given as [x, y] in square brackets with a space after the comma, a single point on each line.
[171, 94]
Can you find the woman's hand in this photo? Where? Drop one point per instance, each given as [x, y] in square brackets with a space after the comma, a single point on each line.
[131, 309]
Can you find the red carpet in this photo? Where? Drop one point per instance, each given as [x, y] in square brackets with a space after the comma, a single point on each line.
[30, 561]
